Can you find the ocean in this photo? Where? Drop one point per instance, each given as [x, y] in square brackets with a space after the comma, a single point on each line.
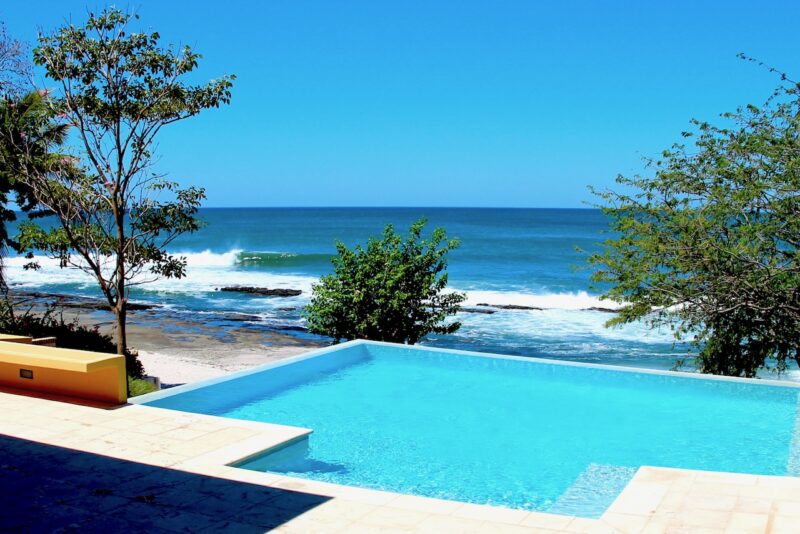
[523, 257]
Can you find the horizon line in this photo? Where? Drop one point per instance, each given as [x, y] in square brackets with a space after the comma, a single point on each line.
[16, 209]
[405, 207]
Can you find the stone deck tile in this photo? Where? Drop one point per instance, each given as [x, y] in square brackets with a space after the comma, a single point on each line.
[493, 514]
[546, 521]
[694, 501]
[747, 522]
[138, 468]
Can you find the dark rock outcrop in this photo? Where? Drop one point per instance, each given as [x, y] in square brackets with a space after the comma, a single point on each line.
[288, 328]
[75, 302]
[96, 305]
[262, 291]
[239, 317]
[510, 306]
[477, 310]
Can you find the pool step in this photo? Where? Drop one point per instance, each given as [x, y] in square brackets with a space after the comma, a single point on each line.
[593, 491]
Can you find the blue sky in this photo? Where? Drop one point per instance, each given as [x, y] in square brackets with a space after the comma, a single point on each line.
[442, 103]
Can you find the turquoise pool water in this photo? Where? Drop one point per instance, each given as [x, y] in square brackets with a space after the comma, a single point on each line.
[503, 431]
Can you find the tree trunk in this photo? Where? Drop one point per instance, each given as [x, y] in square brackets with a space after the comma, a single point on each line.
[121, 312]
[122, 299]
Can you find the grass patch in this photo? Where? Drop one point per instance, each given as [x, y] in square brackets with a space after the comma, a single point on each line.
[138, 386]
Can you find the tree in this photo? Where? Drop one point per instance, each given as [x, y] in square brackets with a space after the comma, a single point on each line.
[116, 216]
[15, 75]
[708, 242]
[392, 290]
[29, 143]
[15, 67]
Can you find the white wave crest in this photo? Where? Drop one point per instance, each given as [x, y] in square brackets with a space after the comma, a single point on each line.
[206, 271]
[568, 326]
[207, 258]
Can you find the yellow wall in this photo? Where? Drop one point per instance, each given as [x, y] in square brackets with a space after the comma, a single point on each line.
[82, 374]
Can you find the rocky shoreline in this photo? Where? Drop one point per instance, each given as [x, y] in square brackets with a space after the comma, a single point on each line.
[181, 347]
[86, 303]
[71, 301]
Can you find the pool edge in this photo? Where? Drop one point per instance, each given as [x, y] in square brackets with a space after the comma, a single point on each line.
[169, 392]
[164, 393]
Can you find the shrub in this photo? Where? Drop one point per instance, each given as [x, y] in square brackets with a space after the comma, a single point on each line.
[392, 290]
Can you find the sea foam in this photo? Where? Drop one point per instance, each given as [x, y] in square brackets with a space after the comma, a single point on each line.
[206, 271]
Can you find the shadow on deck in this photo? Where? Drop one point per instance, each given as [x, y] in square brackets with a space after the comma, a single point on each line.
[52, 489]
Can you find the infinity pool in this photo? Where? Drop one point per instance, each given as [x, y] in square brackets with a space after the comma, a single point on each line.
[514, 432]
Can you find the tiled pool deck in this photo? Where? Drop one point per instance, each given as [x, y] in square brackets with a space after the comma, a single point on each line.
[71, 468]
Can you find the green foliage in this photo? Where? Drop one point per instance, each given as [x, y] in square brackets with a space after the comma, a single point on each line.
[137, 386]
[117, 89]
[114, 73]
[15, 74]
[69, 335]
[708, 242]
[27, 136]
[392, 290]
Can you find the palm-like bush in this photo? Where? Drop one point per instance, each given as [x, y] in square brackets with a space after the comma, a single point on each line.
[31, 138]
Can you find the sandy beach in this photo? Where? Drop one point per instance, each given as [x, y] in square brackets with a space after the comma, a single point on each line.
[180, 350]
[180, 368]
